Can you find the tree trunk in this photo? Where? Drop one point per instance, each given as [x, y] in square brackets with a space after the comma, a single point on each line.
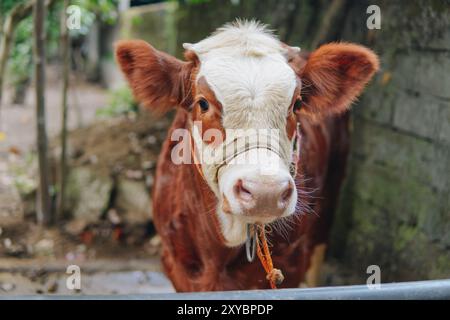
[43, 207]
[65, 76]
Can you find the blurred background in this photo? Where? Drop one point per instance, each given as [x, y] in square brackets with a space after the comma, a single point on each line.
[394, 208]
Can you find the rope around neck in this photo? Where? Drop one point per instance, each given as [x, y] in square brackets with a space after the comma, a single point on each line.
[273, 275]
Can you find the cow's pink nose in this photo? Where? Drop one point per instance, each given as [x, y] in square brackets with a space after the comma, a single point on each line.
[263, 198]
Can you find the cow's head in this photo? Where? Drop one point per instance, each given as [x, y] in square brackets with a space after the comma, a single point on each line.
[243, 77]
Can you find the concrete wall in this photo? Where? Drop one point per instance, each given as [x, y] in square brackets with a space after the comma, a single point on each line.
[395, 206]
[153, 23]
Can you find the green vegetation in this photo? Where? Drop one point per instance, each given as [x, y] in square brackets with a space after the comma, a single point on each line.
[20, 60]
[120, 102]
[23, 173]
[104, 11]
[21, 54]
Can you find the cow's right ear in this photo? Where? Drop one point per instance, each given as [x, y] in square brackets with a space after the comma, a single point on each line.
[333, 76]
[158, 80]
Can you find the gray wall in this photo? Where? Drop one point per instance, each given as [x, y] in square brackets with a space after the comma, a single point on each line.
[395, 206]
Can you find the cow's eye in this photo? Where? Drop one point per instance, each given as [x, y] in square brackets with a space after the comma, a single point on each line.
[204, 105]
[297, 105]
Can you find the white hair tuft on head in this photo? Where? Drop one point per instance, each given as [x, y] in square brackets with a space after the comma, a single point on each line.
[187, 45]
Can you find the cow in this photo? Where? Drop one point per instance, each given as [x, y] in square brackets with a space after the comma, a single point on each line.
[244, 77]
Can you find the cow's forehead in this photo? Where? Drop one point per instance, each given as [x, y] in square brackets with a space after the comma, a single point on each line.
[246, 67]
[248, 86]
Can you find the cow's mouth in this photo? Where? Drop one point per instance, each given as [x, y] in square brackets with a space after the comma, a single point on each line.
[247, 197]
[260, 211]
[261, 217]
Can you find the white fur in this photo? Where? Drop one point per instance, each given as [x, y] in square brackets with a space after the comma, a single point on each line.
[245, 65]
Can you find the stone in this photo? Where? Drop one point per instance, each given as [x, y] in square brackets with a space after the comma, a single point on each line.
[88, 193]
[7, 286]
[134, 174]
[418, 115]
[444, 132]
[14, 249]
[153, 246]
[133, 201]
[113, 216]
[376, 103]
[432, 67]
[44, 247]
[75, 227]
[403, 154]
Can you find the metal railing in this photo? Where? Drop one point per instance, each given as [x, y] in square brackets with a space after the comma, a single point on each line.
[418, 290]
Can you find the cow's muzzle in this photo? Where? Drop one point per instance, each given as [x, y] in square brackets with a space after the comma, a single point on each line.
[266, 197]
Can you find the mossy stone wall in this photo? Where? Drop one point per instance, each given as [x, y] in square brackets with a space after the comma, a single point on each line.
[395, 206]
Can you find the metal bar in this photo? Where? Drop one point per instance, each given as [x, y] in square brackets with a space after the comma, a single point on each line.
[419, 290]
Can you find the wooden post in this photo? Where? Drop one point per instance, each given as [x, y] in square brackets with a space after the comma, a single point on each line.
[43, 203]
[65, 60]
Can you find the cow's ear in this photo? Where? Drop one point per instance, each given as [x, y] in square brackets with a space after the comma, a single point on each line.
[158, 80]
[334, 75]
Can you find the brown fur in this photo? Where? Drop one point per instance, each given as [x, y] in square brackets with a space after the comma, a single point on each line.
[158, 80]
[212, 119]
[194, 255]
[334, 76]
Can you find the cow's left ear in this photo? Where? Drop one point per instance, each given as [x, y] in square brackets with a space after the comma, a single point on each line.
[158, 80]
[334, 75]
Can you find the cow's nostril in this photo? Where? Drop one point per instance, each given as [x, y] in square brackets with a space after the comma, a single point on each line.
[286, 195]
[241, 192]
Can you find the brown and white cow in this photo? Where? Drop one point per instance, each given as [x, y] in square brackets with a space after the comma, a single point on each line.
[243, 77]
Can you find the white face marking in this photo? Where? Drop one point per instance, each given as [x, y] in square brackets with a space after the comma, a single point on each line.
[255, 92]
[247, 69]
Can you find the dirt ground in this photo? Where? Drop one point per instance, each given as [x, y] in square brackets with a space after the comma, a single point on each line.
[34, 260]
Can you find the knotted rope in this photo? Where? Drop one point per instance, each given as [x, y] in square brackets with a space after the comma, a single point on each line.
[274, 275]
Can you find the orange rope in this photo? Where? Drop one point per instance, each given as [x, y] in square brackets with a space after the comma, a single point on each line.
[274, 276]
